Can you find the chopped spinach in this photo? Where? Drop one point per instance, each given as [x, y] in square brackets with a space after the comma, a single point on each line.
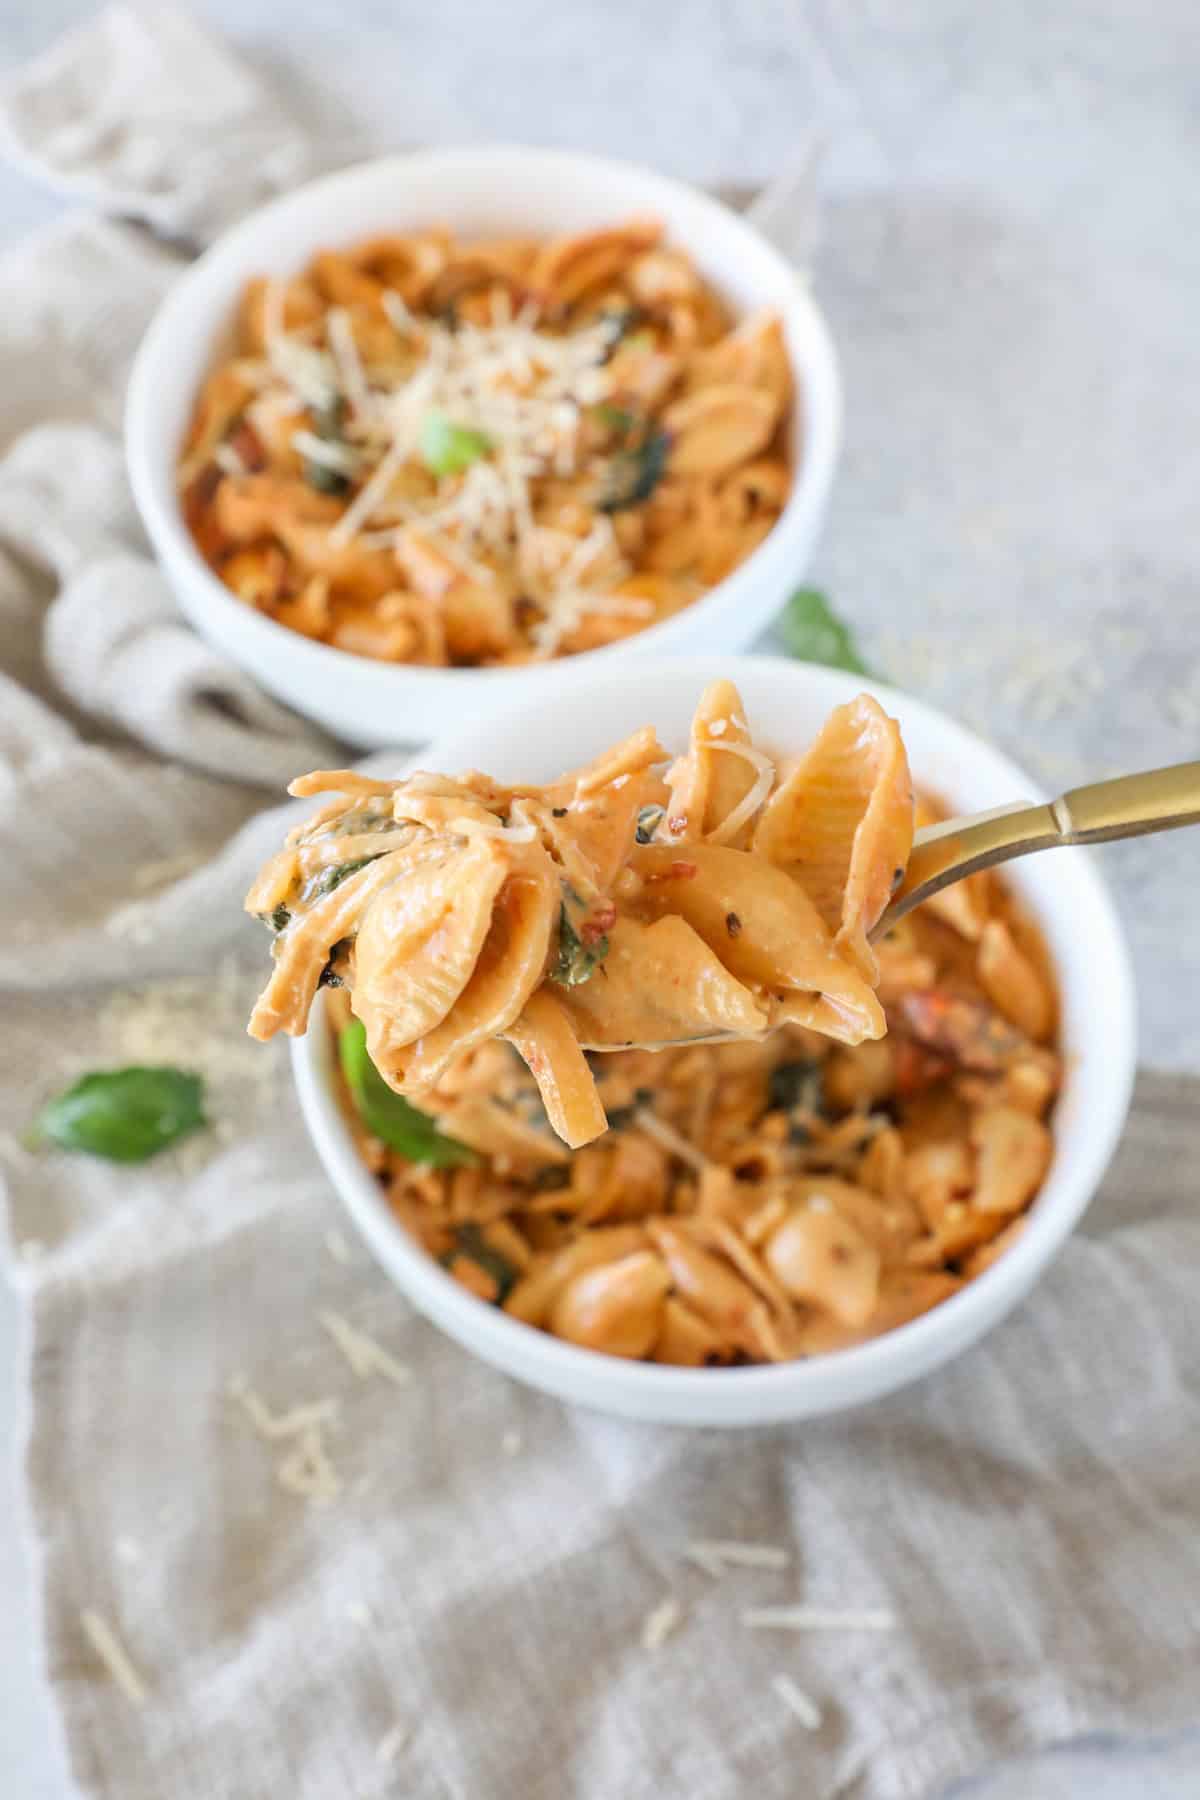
[619, 323]
[328, 421]
[648, 822]
[470, 1242]
[325, 480]
[329, 976]
[326, 880]
[388, 1115]
[576, 961]
[622, 1117]
[797, 1087]
[812, 631]
[279, 918]
[125, 1115]
[636, 472]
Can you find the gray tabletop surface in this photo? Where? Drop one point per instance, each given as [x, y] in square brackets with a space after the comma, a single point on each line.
[1009, 252]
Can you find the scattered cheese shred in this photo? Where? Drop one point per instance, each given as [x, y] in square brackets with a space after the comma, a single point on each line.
[392, 1744]
[273, 1426]
[307, 1470]
[817, 1618]
[800, 1704]
[662, 1623]
[746, 808]
[338, 1248]
[114, 1656]
[364, 1355]
[715, 1555]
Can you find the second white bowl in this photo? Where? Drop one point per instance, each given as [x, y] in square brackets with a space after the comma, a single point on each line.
[492, 189]
[786, 704]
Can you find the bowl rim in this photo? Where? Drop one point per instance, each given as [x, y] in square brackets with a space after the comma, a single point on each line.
[155, 493]
[988, 1296]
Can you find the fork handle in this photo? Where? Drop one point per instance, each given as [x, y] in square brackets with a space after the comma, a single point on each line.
[1128, 806]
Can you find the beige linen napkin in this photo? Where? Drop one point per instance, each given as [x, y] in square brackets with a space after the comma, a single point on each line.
[445, 1585]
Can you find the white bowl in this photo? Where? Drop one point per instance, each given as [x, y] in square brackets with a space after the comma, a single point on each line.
[785, 703]
[489, 189]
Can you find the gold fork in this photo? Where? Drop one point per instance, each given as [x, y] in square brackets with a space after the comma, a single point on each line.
[1128, 806]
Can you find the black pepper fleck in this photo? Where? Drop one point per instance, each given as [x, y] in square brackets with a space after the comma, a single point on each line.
[732, 924]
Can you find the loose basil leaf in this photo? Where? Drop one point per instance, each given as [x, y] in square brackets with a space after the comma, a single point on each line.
[634, 474]
[812, 631]
[576, 962]
[447, 448]
[125, 1115]
[471, 1243]
[388, 1115]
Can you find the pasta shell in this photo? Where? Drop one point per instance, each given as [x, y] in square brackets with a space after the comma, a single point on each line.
[841, 822]
[715, 428]
[616, 1308]
[776, 943]
[658, 983]
[419, 942]
[713, 779]
[511, 963]
[302, 951]
[567, 268]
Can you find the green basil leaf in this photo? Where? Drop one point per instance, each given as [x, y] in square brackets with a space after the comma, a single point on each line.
[125, 1115]
[812, 631]
[387, 1115]
[447, 448]
[470, 1242]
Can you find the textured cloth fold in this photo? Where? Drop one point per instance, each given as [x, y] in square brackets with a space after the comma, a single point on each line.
[466, 1615]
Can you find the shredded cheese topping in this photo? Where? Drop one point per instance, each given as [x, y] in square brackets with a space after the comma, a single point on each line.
[365, 1356]
[114, 1656]
[798, 1703]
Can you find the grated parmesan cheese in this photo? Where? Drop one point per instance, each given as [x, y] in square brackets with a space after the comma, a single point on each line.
[338, 1248]
[392, 1744]
[365, 1356]
[307, 1470]
[746, 808]
[817, 1618]
[801, 1705]
[662, 1623]
[715, 1555]
[115, 1657]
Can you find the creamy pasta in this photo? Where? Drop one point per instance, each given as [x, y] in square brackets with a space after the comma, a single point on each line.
[464, 453]
[760, 1201]
[629, 904]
